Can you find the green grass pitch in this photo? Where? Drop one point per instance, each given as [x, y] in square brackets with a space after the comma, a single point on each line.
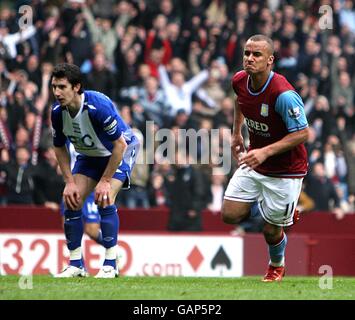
[174, 288]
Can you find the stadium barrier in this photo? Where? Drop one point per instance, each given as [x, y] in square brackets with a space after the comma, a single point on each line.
[32, 241]
[156, 219]
[140, 254]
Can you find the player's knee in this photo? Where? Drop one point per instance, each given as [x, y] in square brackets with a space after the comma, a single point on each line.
[271, 233]
[110, 204]
[80, 204]
[231, 214]
[228, 217]
[78, 207]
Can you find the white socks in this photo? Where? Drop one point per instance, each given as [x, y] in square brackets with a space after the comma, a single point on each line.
[111, 253]
[75, 254]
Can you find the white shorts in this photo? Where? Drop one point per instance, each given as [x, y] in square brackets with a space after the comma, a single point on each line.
[277, 197]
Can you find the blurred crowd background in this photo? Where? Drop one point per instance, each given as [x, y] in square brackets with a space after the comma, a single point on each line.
[171, 62]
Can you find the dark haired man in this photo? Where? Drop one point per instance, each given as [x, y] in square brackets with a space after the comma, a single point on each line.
[107, 151]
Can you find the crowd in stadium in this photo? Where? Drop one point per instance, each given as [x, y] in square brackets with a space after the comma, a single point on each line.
[171, 62]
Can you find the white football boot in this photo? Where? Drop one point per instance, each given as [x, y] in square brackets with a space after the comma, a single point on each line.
[107, 272]
[71, 272]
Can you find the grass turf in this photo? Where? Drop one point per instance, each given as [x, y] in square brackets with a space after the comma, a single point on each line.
[175, 288]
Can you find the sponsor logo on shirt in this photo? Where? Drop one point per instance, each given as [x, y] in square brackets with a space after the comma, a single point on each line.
[257, 125]
[258, 128]
[82, 143]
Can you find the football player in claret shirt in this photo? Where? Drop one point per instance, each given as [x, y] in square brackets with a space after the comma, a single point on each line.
[107, 151]
[270, 174]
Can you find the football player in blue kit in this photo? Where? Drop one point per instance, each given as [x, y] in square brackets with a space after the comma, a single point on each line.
[107, 151]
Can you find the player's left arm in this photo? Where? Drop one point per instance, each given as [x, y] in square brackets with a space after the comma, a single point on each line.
[290, 106]
[108, 120]
[287, 143]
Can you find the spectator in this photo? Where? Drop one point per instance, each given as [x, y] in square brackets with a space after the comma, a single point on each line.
[137, 195]
[347, 15]
[225, 116]
[79, 42]
[102, 31]
[213, 90]
[218, 180]
[11, 40]
[19, 178]
[127, 65]
[186, 188]
[322, 191]
[178, 91]
[100, 78]
[157, 47]
[48, 182]
[152, 100]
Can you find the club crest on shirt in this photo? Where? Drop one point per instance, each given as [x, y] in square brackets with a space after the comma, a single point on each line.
[264, 110]
[294, 113]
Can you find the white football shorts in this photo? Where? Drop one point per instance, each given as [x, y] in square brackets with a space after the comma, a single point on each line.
[277, 197]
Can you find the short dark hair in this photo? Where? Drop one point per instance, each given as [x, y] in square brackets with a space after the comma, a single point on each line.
[261, 37]
[71, 72]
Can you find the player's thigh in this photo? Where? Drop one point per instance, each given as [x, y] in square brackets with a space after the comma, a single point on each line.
[234, 211]
[243, 187]
[280, 197]
[121, 178]
[242, 190]
[116, 186]
[85, 185]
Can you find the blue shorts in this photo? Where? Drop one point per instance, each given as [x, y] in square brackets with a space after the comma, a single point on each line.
[90, 210]
[94, 167]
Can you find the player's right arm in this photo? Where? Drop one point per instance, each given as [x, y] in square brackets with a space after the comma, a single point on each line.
[63, 159]
[237, 138]
[71, 195]
[237, 144]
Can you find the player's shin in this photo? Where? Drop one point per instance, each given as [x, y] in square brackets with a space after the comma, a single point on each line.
[73, 229]
[277, 252]
[109, 228]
